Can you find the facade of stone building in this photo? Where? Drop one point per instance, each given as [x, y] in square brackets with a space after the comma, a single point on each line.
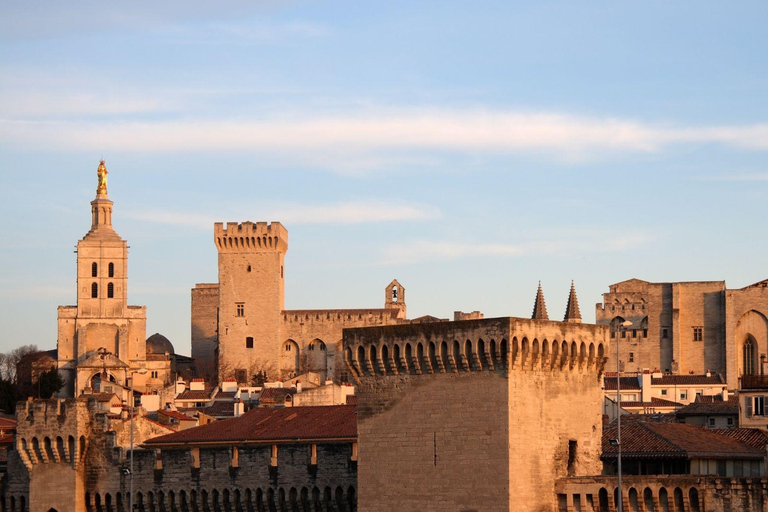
[688, 327]
[475, 415]
[102, 337]
[240, 325]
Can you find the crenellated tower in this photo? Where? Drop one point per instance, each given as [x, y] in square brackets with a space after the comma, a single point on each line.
[251, 296]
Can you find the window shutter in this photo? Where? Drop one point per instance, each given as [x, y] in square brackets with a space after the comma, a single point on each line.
[748, 407]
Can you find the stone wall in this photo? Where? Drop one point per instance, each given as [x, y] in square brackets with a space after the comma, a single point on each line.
[672, 493]
[205, 315]
[475, 415]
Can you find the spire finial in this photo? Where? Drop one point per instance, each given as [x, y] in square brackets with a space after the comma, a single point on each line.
[539, 307]
[572, 313]
[101, 172]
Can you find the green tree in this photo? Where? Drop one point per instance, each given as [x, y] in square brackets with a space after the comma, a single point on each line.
[9, 395]
[48, 383]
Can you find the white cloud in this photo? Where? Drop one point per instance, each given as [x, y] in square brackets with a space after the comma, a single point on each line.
[367, 134]
[349, 212]
[418, 251]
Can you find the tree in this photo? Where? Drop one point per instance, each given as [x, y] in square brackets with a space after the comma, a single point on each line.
[50, 382]
[9, 396]
[10, 360]
[258, 379]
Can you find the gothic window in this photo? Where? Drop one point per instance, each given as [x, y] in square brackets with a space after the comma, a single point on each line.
[287, 347]
[110, 290]
[111, 270]
[249, 342]
[749, 356]
[153, 374]
[94, 269]
[94, 290]
[698, 333]
[240, 308]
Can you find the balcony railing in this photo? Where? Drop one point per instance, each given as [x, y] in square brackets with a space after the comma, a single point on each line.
[754, 382]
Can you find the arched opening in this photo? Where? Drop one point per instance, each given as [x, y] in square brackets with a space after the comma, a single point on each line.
[591, 354]
[564, 354]
[340, 500]
[469, 354]
[352, 499]
[399, 359]
[445, 356]
[574, 353]
[663, 500]
[555, 353]
[648, 500]
[457, 356]
[111, 269]
[374, 358]
[49, 449]
[679, 505]
[515, 351]
[94, 269]
[94, 291]
[304, 497]
[535, 351]
[634, 502]
[290, 359]
[504, 353]
[409, 358]
[420, 357]
[433, 357]
[602, 499]
[494, 352]
[481, 355]
[749, 349]
[385, 359]
[693, 498]
[545, 354]
[110, 290]
[524, 349]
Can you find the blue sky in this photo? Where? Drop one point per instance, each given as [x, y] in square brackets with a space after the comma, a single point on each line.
[466, 149]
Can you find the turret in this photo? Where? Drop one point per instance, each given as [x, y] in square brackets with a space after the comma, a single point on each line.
[572, 313]
[539, 307]
[394, 297]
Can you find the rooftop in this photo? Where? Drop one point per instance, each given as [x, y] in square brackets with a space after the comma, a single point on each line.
[268, 425]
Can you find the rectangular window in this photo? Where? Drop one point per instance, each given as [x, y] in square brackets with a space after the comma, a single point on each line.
[711, 422]
[683, 395]
[759, 406]
[663, 392]
[153, 374]
[729, 421]
[748, 407]
[240, 308]
[240, 375]
[645, 333]
[249, 342]
[631, 360]
[634, 333]
[665, 332]
[698, 333]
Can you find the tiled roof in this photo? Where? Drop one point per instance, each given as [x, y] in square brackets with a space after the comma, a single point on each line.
[655, 402]
[6, 439]
[263, 425]
[626, 383]
[710, 409]
[7, 424]
[684, 380]
[205, 394]
[220, 409]
[177, 415]
[226, 395]
[275, 395]
[751, 436]
[644, 439]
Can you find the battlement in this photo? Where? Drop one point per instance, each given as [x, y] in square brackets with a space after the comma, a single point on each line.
[57, 431]
[250, 237]
[495, 344]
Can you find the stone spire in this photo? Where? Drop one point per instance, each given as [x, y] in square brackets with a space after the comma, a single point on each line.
[539, 307]
[572, 313]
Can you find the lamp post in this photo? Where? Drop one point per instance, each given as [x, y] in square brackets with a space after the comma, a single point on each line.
[621, 327]
[131, 398]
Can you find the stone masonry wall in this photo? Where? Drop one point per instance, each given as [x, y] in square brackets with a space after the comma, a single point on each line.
[475, 415]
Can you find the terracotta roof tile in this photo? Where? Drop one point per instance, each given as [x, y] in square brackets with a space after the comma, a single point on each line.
[710, 409]
[275, 395]
[205, 394]
[626, 383]
[177, 415]
[751, 436]
[646, 439]
[655, 402]
[671, 380]
[290, 423]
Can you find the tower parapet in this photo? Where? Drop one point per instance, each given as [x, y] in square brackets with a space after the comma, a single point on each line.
[250, 237]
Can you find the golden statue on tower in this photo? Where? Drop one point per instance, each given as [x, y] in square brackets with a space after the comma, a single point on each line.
[101, 172]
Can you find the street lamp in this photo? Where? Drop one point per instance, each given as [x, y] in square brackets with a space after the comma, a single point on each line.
[620, 329]
[131, 398]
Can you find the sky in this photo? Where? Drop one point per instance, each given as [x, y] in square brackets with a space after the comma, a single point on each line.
[467, 149]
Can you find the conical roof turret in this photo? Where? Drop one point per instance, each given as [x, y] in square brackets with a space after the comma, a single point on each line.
[572, 313]
[539, 307]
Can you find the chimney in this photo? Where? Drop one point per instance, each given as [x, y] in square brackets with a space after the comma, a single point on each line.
[197, 385]
[298, 386]
[709, 374]
[725, 394]
[181, 386]
[645, 385]
[239, 408]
